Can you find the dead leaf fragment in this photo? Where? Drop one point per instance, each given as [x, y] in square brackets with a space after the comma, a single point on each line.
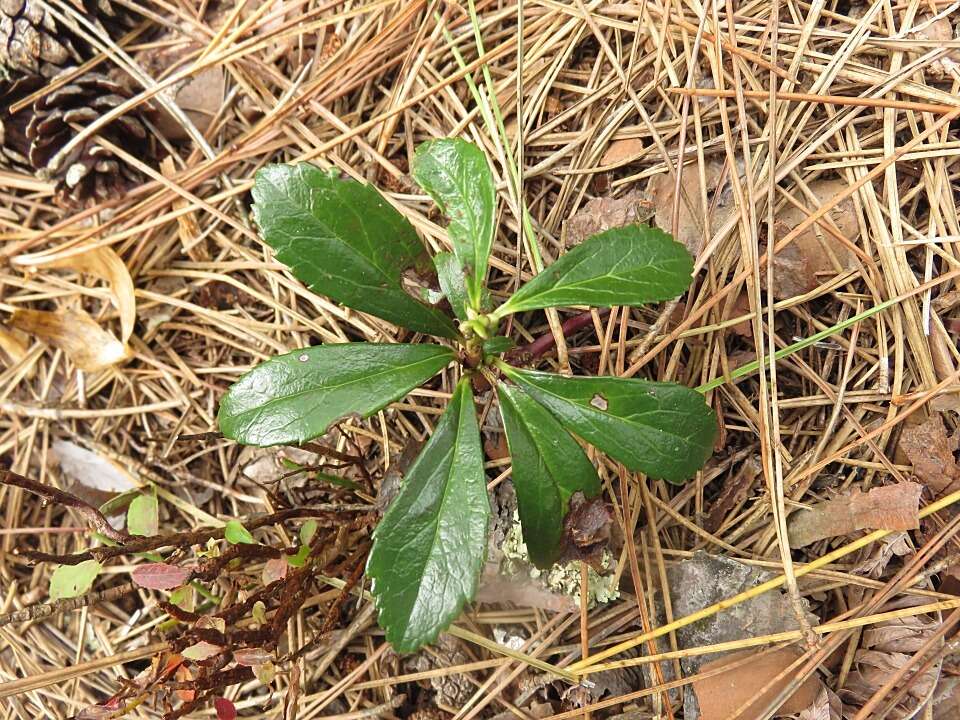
[721, 695]
[827, 707]
[622, 151]
[103, 263]
[692, 231]
[15, 345]
[90, 469]
[603, 213]
[930, 450]
[894, 507]
[90, 347]
[815, 254]
[586, 531]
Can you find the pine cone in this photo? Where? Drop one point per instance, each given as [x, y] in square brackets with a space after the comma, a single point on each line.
[87, 171]
[33, 42]
[14, 145]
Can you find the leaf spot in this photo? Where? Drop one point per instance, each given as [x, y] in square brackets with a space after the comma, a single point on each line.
[303, 358]
[599, 401]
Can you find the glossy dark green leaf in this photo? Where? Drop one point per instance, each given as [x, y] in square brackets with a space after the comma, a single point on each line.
[342, 239]
[497, 344]
[630, 265]
[456, 175]
[430, 545]
[548, 467]
[451, 279]
[295, 397]
[662, 429]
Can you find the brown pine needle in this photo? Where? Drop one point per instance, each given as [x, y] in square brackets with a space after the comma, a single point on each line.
[822, 99]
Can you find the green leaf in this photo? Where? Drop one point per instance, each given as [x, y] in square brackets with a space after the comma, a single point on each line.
[336, 480]
[629, 265]
[497, 344]
[143, 515]
[118, 503]
[344, 240]
[457, 176]
[430, 545]
[452, 284]
[296, 397]
[548, 467]
[300, 558]
[70, 581]
[662, 429]
[236, 533]
[307, 531]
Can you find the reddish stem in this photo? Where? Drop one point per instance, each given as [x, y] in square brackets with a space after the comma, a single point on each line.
[546, 342]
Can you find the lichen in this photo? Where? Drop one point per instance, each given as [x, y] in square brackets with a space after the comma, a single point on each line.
[563, 578]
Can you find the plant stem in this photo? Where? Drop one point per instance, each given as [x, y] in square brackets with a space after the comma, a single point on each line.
[547, 341]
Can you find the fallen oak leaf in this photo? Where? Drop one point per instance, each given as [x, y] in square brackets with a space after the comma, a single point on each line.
[893, 507]
[90, 347]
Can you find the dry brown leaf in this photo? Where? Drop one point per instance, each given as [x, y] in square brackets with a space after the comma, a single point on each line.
[622, 151]
[722, 694]
[930, 450]
[90, 347]
[946, 702]
[692, 231]
[894, 507]
[828, 706]
[938, 32]
[14, 344]
[603, 213]
[103, 263]
[814, 255]
[91, 469]
[200, 98]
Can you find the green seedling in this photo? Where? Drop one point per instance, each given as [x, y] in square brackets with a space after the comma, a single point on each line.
[344, 240]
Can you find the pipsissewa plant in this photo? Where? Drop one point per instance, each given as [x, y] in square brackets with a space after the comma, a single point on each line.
[344, 240]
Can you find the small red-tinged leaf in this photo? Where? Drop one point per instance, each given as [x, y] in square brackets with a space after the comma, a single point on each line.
[251, 656]
[265, 673]
[201, 651]
[159, 576]
[185, 674]
[274, 569]
[211, 622]
[225, 709]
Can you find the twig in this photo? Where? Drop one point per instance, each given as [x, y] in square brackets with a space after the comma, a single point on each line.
[55, 495]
